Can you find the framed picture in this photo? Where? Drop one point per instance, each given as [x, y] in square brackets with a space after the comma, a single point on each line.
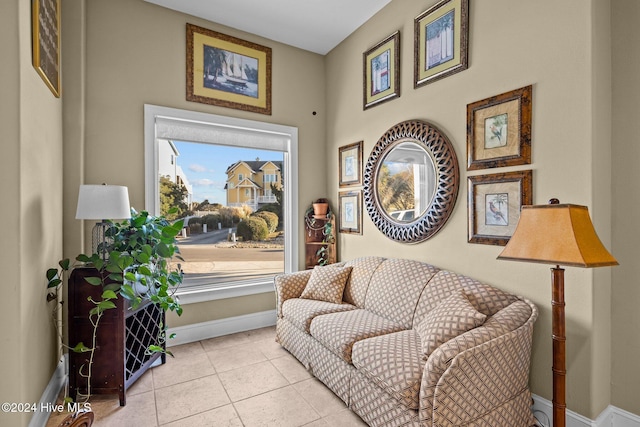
[227, 71]
[499, 130]
[350, 218]
[495, 201]
[350, 160]
[441, 36]
[381, 68]
[45, 39]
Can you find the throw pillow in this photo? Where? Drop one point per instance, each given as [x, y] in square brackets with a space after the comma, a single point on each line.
[327, 283]
[452, 317]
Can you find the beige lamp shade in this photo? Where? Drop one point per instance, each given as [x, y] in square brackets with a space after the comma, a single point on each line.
[559, 234]
[103, 202]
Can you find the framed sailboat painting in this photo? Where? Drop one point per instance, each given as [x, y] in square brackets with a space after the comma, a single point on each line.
[228, 72]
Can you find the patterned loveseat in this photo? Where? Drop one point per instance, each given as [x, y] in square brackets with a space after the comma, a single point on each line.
[402, 342]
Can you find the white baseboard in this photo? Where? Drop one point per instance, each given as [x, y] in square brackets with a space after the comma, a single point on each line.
[50, 394]
[217, 328]
[610, 417]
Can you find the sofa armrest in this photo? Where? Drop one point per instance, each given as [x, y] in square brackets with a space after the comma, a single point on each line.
[476, 383]
[289, 285]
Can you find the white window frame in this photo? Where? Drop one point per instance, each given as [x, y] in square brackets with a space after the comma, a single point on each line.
[166, 123]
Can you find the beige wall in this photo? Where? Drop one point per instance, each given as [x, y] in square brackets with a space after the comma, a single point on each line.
[134, 54]
[625, 379]
[119, 55]
[31, 171]
[563, 49]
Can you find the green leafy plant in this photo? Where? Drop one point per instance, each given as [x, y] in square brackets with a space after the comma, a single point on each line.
[322, 255]
[138, 267]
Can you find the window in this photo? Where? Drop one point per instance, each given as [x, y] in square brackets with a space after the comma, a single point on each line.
[268, 178]
[166, 124]
[240, 177]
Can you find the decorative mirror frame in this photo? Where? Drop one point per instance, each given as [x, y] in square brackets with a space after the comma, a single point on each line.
[445, 161]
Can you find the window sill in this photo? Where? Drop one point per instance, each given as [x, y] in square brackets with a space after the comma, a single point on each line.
[231, 290]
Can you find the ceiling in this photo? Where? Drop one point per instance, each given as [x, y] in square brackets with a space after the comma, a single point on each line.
[314, 25]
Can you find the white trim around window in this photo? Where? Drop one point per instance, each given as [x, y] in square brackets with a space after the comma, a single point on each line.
[184, 125]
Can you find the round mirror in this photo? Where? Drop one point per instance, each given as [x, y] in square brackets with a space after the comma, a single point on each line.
[405, 181]
[411, 181]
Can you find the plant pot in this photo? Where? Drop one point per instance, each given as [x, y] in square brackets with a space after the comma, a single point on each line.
[320, 210]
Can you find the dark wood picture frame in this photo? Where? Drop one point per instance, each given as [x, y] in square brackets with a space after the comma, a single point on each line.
[350, 165]
[227, 71]
[45, 26]
[499, 130]
[441, 41]
[383, 83]
[350, 208]
[494, 203]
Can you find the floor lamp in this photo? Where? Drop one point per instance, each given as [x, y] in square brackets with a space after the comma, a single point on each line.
[561, 235]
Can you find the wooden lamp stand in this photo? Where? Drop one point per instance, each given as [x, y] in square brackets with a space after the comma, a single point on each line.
[559, 352]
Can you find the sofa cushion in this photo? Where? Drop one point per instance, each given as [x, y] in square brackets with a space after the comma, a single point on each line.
[300, 312]
[484, 298]
[452, 317]
[327, 283]
[356, 289]
[339, 331]
[396, 287]
[394, 363]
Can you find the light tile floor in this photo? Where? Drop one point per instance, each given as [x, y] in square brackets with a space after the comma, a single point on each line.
[244, 379]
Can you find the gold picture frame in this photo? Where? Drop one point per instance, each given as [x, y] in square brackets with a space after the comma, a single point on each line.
[228, 72]
[381, 72]
[441, 35]
[350, 218]
[350, 164]
[499, 130]
[494, 203]
[45, 26]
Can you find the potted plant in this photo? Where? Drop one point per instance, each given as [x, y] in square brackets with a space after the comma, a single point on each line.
[320, 208]
[138, 268]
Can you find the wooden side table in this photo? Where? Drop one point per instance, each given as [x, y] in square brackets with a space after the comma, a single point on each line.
[122, 339]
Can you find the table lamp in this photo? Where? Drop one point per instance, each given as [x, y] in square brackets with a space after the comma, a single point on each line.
[560, 234]
[102, 202]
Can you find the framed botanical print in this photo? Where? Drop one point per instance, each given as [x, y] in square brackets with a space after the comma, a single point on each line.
[226, 71]
[499, 130]
[495, 202]
[46, 42]
[441, 36]
[350, 164]
[381, 68]
[350, 218]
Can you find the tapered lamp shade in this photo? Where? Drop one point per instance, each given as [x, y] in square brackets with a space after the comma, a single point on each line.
[103, 202]
[559, 234]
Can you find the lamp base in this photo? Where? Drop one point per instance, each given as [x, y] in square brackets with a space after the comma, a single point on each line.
[99, 239]
[559, 351]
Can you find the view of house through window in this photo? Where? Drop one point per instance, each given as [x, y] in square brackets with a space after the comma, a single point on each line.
[231, 201]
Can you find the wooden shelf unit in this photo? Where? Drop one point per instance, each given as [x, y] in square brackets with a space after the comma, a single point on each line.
[122, 339]
[314, 240]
